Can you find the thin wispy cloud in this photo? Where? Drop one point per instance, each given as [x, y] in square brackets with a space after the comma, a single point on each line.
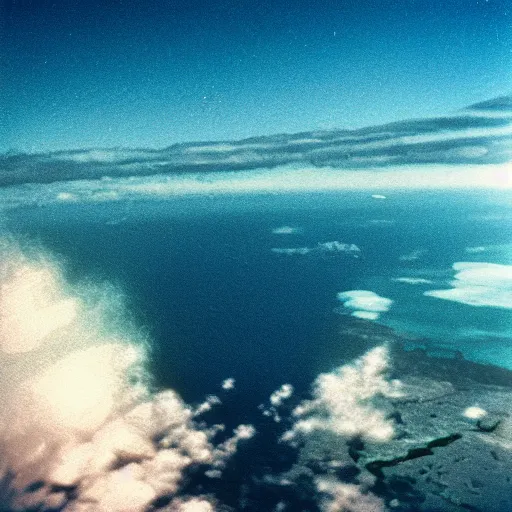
[331, 248]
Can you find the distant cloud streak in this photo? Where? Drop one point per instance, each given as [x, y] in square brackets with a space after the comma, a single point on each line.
[480, 134]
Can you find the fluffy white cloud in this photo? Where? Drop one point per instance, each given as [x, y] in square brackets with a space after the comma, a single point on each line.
[76, 407]
[281, 394]
[474, 413]
[365, 304]
[342, 401]
[479, 284]
[342, 497]
[228, 384]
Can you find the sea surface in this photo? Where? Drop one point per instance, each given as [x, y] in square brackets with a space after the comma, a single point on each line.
[200, 274]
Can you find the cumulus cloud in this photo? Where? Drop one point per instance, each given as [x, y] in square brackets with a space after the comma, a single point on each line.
[480, 134]
[343, 497]
[342, 401]
[364, 303]
[81, 429]
[479, 284]
[281, 394]
[228, 384]
[349, 407]
[334, 247]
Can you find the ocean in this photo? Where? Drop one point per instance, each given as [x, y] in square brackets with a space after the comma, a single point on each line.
[213, 280]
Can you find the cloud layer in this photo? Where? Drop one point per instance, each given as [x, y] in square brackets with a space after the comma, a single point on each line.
[480, 134]
[479, 284]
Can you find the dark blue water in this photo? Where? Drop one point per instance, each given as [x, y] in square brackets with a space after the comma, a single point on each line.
[199, 274]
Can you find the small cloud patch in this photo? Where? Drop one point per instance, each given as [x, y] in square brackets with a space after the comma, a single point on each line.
[228, 384]
[475, 250]
[286, 230]
[281, 394]
[364, 303]
[474, 413]
[329, 248]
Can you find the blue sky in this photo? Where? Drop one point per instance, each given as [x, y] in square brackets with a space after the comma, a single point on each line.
[149, 74]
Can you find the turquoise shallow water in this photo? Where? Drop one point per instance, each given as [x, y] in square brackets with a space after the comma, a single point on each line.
[200, 274]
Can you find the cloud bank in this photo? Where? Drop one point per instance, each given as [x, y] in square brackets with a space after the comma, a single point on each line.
[479, 284]
[480, 134]
[81, 428]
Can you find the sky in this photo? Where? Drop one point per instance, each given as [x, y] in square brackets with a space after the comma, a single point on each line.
[103, 74]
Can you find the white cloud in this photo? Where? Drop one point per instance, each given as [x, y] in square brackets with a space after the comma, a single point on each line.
[475, 250]
[281, 394]
[210, 402]
[290, 251]
[286, 230]
[343, 401]
[76, 407]
[192, 505]
[343, 497]
[282, 179]
[365, 304]
[228, 384]
[412, 280]
[66, 196]
[338, 247]
[474, 413]
[495, 248]
[479, 284]
[333, 247]
[366, 315]
[35, 293]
